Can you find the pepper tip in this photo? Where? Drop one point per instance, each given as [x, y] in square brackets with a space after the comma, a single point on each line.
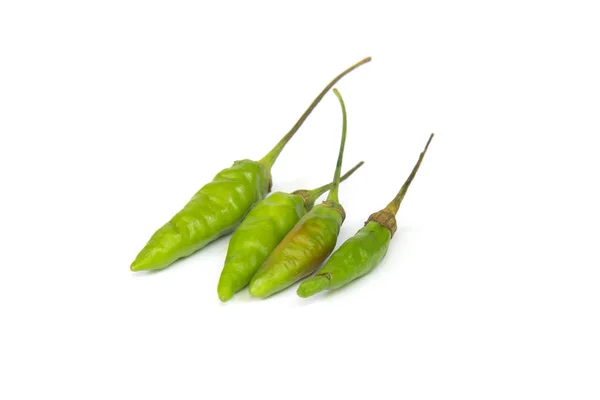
[312, 286]
[225, 293]
[257, 289]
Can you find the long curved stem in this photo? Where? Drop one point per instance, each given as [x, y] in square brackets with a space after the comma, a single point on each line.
[394, 205]
[333, 193]
[272, 155]
[313, 195]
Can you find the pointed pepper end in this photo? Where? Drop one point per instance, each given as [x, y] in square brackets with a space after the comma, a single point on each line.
[258, 289]
[135, 267]
[142, 263]
[225, 292]
[313, 286]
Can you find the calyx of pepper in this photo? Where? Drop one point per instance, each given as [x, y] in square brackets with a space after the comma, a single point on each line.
[268, 172]
[306, 198]
[387, 216]
[336, 206]
[384, 218]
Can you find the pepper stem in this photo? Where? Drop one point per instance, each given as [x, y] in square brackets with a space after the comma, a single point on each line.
[394, 205]
[272, 155]
[313, 195]
[333, 193]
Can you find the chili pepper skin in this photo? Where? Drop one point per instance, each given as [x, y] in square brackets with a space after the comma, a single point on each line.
[301, 252]
[219, 206]
[308, 244]
[214, 211]
[360, 254]
[261, 231]
[356, 257]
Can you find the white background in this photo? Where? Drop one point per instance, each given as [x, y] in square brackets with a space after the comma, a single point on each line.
[113, 114]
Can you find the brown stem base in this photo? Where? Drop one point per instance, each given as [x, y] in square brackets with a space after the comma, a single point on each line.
[384, 218]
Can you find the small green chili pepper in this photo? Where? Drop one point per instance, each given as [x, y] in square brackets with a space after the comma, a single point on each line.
[309, 243]
[360, 254]
[261, 231]
[218, 207]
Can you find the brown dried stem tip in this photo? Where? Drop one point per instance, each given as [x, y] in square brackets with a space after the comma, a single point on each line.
[387, 216]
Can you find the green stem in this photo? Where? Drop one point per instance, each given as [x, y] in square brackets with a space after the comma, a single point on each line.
[394, 205]
[313, 195]
[272, 155]
[333, 193]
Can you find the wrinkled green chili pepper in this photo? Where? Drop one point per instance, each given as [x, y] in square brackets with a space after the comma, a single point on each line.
[261, 231]
[309, 243]
[218, 207]
[360, 254]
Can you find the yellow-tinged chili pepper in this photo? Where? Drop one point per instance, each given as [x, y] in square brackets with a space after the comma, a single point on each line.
[309, 243]
[261, 231]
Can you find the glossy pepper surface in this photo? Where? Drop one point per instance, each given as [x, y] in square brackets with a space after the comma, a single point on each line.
[261, 231]
[219, 206]
[309, 243]
[360, 254]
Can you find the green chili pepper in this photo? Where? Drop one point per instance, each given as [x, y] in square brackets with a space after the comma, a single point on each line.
[309, 243]
[261, 231]
[218, 207]
[360, 254]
